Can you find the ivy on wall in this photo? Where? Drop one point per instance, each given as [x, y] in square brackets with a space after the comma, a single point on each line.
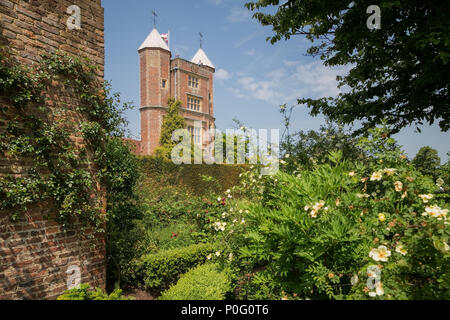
[45, 108]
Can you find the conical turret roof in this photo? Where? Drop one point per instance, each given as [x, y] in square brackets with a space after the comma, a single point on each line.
[154, 40]
[201, 58]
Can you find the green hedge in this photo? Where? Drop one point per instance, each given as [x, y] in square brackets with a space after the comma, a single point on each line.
[158, 271]
[190, 175]
[205, 282]
[85, 293]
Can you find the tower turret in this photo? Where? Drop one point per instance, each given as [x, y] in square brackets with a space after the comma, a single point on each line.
[154, 56]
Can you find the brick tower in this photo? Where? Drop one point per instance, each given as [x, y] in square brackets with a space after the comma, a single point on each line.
[191, 82]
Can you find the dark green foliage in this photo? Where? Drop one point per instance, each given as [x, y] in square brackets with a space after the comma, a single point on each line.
[85, 293]
[399, 71]
[206, 282]
[158, 271]
[259, 286]
[427, 161]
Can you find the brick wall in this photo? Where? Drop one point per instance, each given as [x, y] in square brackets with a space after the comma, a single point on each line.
[35, 253]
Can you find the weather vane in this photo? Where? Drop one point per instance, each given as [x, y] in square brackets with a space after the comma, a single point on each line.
[154, 18]
[201, 39]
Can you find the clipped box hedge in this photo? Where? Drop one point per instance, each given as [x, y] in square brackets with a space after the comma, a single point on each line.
[190, 175]
[158, 271]
[205, 282]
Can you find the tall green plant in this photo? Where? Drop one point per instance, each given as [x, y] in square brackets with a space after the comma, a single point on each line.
[172, 121]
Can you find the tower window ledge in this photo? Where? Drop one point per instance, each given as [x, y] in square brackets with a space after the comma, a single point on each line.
[195, 95]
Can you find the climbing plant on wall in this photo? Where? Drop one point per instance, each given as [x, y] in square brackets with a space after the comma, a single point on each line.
[46, 108]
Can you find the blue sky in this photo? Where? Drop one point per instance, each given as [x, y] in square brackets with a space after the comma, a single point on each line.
[253, 77]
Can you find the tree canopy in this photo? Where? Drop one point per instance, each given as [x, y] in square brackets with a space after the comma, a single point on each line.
[427, 161]
[399, 72]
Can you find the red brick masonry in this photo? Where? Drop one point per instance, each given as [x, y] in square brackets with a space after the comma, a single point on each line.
[35, 254]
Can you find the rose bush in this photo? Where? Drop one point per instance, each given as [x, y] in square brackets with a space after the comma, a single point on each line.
[346, 230]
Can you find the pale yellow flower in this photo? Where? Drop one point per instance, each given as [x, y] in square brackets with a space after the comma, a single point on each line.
[398, 186]
[401, 249]
[376, 176]
[354, 280]
[319, 205]
[436, 212]
[390, 172]
[382, 217]
[352, 174]
[379, 289]
[380, 254]
[426, 197]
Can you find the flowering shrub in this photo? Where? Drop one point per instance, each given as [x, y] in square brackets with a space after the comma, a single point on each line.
[351, 231]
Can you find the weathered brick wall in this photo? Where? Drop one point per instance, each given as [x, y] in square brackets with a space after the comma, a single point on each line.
[35, 253]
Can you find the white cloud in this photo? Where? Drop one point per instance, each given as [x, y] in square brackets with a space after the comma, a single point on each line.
[222, 74]
[239, 14]
[293, 80]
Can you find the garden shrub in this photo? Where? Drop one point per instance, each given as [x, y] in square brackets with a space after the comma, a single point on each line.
[158, 271]
[164, 172]
[85, 293]
[351, 231]
[205, 282]
[164, 204]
